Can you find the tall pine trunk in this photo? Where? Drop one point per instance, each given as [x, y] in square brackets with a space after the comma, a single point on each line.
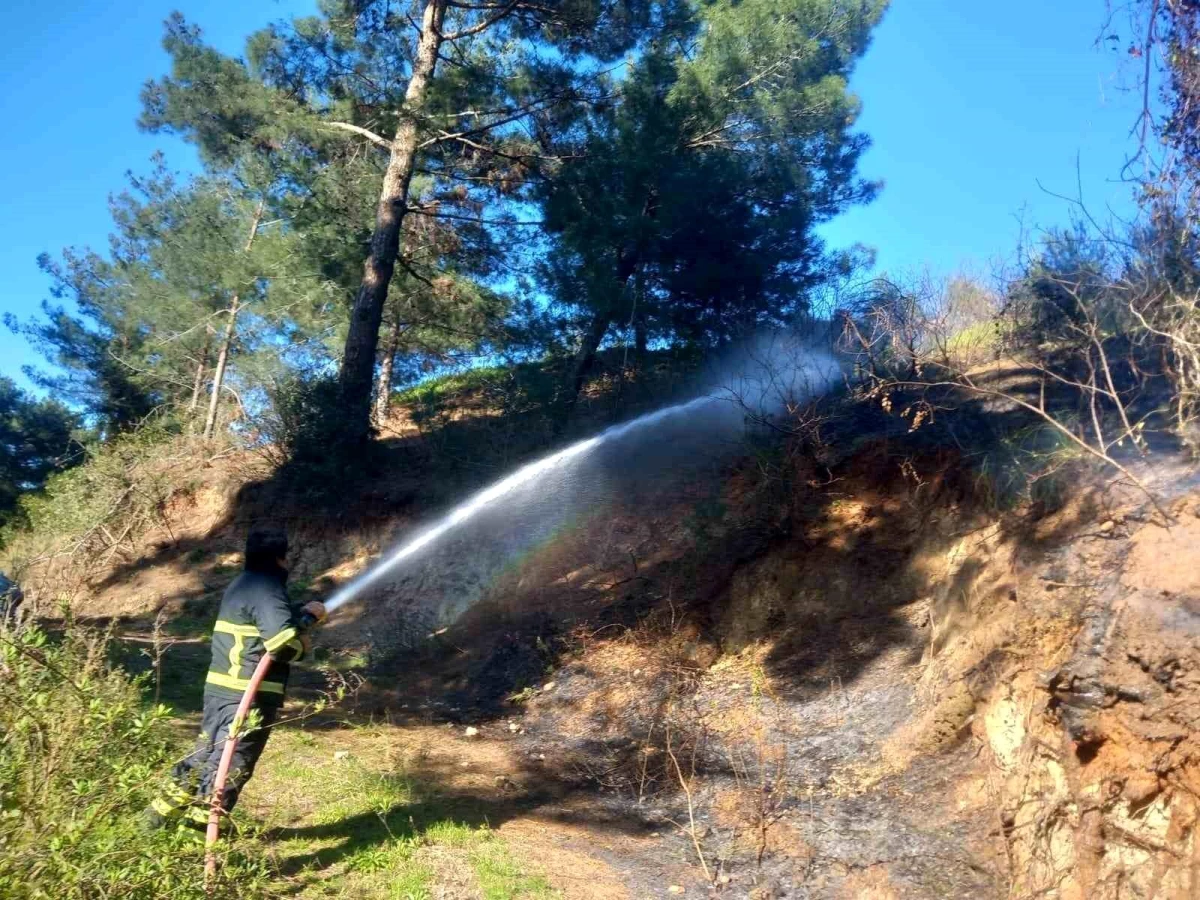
[201, 368]
[628, 262]
[362, 340]
[585, 357]
[640, 328]
[383, 392]
[214, 402]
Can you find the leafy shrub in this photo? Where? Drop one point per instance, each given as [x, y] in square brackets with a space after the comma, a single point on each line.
[80, 755]
[305, 418]
[120, 492]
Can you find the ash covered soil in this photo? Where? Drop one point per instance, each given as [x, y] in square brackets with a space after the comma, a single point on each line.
[889, 701]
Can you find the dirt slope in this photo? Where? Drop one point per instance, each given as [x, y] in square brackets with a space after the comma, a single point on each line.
[899, 694]
[795, 676]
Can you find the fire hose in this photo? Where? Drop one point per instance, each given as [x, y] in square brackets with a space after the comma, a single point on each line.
[216, 805]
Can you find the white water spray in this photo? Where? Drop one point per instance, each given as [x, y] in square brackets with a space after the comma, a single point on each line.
[490, 495]
[767, 381]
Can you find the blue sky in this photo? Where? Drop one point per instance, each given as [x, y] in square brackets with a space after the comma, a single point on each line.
[969, 106]
[70, 77]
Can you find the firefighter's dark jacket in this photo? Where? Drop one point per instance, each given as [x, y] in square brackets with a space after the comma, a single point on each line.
[255, 618]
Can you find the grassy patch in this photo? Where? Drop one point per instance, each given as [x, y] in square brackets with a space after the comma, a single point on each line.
[446, 386]
[341, 818]
[500, 876]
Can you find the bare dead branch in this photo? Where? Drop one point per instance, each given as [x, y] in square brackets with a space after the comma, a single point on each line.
[371, 136]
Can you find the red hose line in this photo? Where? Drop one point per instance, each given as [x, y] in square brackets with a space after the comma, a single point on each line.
[231, 740]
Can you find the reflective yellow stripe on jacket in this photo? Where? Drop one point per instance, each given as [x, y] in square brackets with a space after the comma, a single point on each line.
[235, 629]
[240, 684]
[289, 637]
[280, 640]
[232, 679]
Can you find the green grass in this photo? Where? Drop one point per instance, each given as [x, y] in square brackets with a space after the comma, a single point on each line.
[444, 386]
[360, 826]
[500, 877]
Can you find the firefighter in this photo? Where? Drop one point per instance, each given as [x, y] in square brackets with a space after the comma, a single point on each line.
[255, 618]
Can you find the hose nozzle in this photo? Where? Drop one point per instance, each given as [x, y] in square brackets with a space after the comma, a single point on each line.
[311, 615]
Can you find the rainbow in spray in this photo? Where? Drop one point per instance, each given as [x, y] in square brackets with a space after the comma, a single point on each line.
[498, 491]
[444, 569]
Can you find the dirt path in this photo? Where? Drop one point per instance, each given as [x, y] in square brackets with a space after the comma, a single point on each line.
[337, 800]
[340, 796]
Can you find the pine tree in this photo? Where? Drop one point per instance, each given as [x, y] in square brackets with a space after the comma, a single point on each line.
[459, 93]
[689, 210]
[36, 440]
[194, 274]
[89, 350]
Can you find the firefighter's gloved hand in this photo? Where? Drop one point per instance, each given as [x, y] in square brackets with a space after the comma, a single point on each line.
[316, 609]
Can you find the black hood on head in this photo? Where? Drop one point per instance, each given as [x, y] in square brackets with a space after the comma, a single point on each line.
[264, 548]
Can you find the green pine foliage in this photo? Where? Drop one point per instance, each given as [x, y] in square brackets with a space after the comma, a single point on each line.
[688, 206]
[132, 332]
[37, 439]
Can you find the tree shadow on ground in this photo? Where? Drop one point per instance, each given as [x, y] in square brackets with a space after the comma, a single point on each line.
[404, 821]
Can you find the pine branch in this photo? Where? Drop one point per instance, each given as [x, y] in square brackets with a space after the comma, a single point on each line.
[514, 157]
[482, 26]
[513, 116]
[477, 220]
[361, 132]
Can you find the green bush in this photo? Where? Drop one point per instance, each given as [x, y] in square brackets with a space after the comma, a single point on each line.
[305, 418]
[80, 756]
[119, 492]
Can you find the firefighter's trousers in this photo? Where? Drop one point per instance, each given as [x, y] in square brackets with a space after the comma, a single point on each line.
[192, 779]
